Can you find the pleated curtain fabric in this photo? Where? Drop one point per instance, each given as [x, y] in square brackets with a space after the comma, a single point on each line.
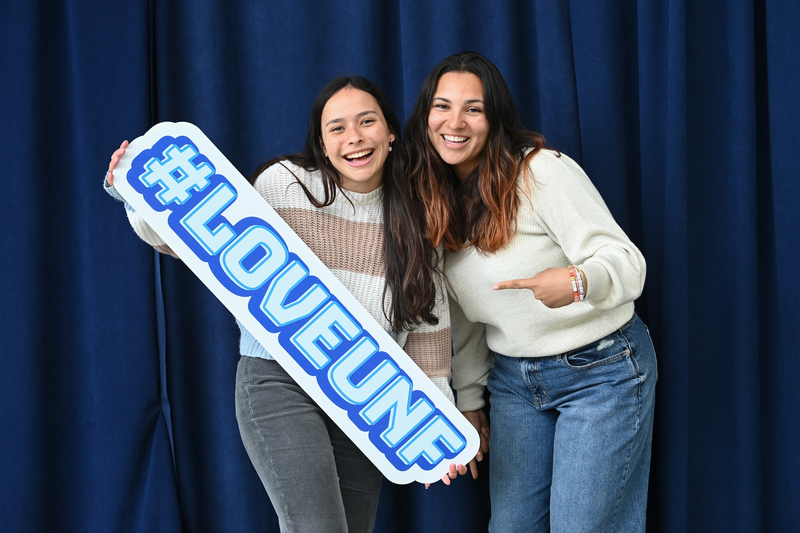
[117, 381]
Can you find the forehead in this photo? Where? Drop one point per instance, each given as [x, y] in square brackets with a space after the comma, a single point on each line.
[457, 86]
[349, 102]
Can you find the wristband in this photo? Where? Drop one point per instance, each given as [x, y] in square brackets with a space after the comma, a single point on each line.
[572, 277]
[581, 290]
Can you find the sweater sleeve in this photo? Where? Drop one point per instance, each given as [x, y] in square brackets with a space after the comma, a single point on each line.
[142, 229]
[571, 209]
[471, 359]
[429, 346]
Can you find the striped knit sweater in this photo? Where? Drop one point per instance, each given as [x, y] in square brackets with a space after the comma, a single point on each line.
[347, 236]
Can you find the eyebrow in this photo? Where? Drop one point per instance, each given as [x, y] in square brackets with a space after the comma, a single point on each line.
[473, 101]
[363, 113]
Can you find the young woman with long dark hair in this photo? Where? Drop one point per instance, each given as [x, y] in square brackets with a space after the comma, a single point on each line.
[347, 197]
[542, 282]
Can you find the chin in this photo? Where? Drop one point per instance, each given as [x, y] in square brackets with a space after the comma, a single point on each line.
[453, 161]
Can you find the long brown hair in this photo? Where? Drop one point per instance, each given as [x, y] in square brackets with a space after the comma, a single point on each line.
[410, 262]
[480, 210]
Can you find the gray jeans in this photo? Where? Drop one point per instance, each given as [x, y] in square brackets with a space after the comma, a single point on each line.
[316, 478]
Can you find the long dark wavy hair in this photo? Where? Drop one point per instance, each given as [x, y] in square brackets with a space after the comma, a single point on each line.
[479, 211]
[410, 262]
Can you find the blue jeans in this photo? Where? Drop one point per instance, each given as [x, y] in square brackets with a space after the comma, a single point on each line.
[316, 478]
[571, 437]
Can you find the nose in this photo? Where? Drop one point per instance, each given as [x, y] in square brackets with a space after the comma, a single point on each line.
[455, 121]
[355, 136]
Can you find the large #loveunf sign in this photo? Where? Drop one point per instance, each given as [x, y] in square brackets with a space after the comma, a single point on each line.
[205, 210]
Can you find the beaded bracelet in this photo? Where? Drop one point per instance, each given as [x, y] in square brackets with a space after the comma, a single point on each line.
[580, 283]
[574, 283]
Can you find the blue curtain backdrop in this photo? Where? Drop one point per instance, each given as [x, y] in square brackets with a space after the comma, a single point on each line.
[116, 387]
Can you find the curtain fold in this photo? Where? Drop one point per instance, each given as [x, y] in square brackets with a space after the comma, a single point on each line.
[662, 144]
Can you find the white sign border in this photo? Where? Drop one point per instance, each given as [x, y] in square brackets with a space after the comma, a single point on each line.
[249, 203]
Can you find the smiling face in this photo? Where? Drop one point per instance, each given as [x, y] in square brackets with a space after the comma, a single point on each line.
[355, 138]
[457, 123]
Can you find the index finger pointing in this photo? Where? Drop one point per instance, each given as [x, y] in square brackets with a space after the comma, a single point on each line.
[510, 284]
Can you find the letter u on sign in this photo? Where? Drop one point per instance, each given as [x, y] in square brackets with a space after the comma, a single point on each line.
[208, 213]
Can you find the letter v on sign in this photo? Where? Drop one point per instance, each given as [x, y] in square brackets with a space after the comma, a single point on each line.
[250, 259]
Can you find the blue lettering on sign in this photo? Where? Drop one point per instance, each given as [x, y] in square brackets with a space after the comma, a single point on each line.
[177, 173]
[250, 259]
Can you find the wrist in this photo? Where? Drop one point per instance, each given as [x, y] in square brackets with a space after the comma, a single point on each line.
[576, 279]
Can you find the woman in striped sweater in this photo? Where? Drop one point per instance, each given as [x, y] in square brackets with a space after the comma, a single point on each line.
[346, 196]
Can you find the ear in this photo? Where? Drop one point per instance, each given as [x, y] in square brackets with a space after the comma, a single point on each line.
[391, 137]
[322, 145]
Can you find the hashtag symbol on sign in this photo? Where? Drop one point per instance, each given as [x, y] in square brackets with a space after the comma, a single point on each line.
[177, 174]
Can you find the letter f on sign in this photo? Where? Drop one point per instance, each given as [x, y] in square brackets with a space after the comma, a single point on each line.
[425, 442]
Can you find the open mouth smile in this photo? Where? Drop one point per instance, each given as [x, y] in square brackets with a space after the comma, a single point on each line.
[359, 156]
[454, 139]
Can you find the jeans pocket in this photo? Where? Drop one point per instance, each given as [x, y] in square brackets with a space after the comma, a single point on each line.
[602, 352]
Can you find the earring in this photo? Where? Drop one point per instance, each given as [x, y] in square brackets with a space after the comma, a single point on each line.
[390, 146]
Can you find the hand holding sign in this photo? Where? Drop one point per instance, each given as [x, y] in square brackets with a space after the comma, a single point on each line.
[118, 153]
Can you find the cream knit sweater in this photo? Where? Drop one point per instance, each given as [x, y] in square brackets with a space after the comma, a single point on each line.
[561, 220]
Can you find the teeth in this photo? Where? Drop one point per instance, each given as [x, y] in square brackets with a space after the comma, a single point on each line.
[454, 139]
[357, 155]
